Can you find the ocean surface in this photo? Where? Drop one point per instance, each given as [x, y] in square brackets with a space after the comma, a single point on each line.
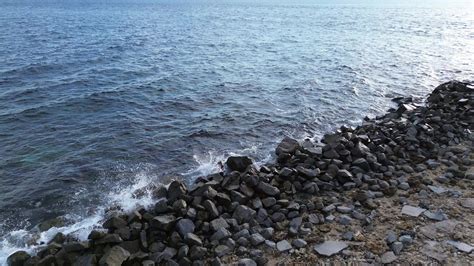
[98, 99]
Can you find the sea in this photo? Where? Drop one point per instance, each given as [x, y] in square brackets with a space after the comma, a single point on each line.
[99, 99]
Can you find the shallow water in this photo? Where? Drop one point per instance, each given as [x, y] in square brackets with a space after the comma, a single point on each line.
[99, 99]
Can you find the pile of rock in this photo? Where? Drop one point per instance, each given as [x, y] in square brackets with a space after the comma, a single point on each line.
[249, 212]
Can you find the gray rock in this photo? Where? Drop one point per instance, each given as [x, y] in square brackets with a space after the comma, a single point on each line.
[348, 236]
[267, 233]
[243, 213]
[406, 239]
[468, 203]
[437, 216]
[404, 186]
[268, 189]
[412, 211]
[329, 248]
[221, 250]
[114, 223]
[246, 262]
[299, 243]
[445, 227]
[185, 226]
[344, 219]
[396, 247]
[388, 257]
[437, 190]
[109, 239]
[220, 234]
[344, 209]
[309, 173]
[268, 202]
[115, 256]
[313, 218]
[211, 208]
[283, 246]
[391, 237]
[86, 260]
[197, 252]
[270, 244]
[461, 246]
[219, 223]
[193, 240]
[163, 222]
[257, 239]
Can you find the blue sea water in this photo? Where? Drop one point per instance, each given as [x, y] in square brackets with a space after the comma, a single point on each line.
[100, 98]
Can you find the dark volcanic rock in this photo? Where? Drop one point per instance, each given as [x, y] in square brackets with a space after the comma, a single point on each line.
[18, 258]
[238, 163]
[288, 146]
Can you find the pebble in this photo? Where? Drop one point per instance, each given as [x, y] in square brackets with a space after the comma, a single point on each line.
[388, 257]
[246, 262]
[299, 243]
[396, 247]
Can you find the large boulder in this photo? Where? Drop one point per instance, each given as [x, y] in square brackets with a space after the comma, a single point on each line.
[287, 146]
[238, 163]
[115, 256]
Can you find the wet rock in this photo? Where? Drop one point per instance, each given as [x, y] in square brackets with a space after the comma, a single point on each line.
[114, 223]
[238, 163]
[283, 246]
[412, 211]
[115, 256]
[330, 247]
[18, 258]
[176, 190]
[185, 226]
[388, 257]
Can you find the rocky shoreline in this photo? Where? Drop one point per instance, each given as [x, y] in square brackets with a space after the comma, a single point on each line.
[396, 189]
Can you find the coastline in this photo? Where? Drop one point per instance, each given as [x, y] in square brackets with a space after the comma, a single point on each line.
[318, 201]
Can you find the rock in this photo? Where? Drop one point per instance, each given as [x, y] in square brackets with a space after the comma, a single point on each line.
[330, 247]
[193, 240]
[437, 190]
[348, 236]
[362, 163]
[461, 246]
[412, 211]
[220, 234]
[86, 260]
[433, 250]
[313, 218]
[114, 223]
[219, 223]
[299, 243]
[197, 253]
[243, 213]
[388, 257]
[109, 239]
[437, 216]
[445, 227]
[268, 189]
[75, 246]
[309, 173]
[391, 237]
[165, 255]
[246, 262]
[163, 222]
[396, 247]
[406, 240]
[185, 226]
[176, 190]
[256, 239]
[115, 256]
[344, 176]
[18, 258]
[221, 250]
[238, 163]
[161, 206]
[468, 203]
[288, 146]
[211, 208]
[48, 224]
[268, 202]
[283, 246]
